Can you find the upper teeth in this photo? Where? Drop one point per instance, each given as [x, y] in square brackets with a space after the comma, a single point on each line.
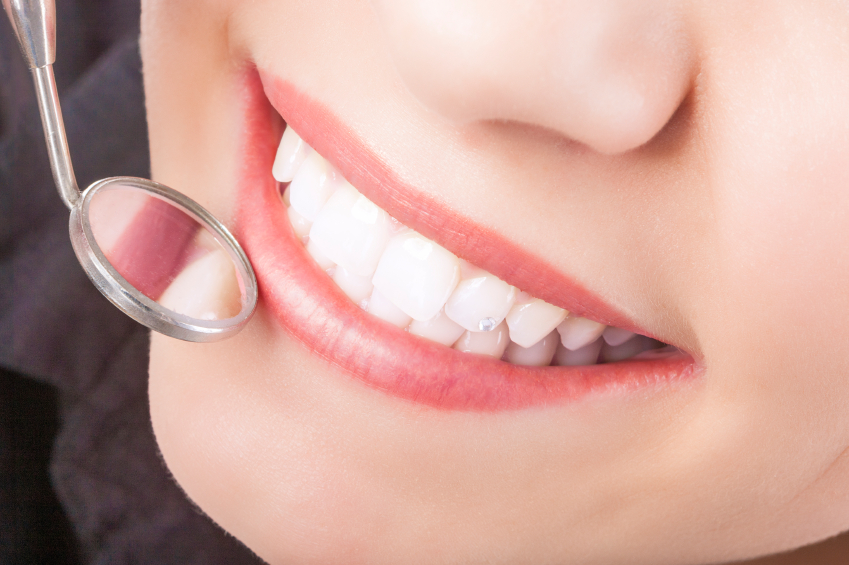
[290, 154]
[412, 282]
[480, 303]
[351, 231]
[314, 182]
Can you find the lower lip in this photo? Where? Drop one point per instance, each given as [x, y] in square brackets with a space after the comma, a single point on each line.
[308, 305]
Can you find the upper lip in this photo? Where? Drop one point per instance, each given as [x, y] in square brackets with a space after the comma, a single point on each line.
[481, 246]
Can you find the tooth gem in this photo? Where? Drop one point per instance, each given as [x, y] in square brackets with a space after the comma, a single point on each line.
[487, 324]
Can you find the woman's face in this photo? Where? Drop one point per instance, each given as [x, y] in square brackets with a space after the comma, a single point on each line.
[673, 168]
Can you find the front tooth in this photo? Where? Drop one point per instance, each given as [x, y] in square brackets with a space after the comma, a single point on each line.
[417, 274]
[313, 184]
[617, 336]
[577, 332]
[539, 354]
[586, 355]
[357, 288]
[300, 224]
[381, 307]
[440, 329]
[531, 321]
[625, 350]
[480, 303]
[485, 343]
[323, 260]
[290, 155]
[352, 231]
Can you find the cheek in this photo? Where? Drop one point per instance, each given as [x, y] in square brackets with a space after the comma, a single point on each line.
[771, 317]
[784, 248]
[777, 121]
[190, 100]
[778, 327]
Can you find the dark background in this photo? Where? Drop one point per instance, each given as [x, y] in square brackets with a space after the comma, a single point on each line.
[81, 480]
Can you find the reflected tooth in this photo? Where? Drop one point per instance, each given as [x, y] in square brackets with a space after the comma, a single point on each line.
[485, 343]
[313, 184]
[617, 336]
[440, 329]
[625, 350]
[352, 230]
[586, 355]
[323, 260]
[480, 303]
[290, 155]
[300, 224]
[381, 307]
[577, 332]
[417, 275]
[207, 289]
[539, 354]
[531, 321]
[285, 197]
[357, 288]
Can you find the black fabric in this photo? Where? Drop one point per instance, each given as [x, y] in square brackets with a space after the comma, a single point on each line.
[33, 527]
[73, 396]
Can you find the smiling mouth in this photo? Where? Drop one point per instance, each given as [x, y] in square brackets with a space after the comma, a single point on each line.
[403, 278]
[428, 319]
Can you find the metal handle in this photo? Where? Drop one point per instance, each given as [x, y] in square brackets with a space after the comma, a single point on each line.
[34, 22]
[54, 135]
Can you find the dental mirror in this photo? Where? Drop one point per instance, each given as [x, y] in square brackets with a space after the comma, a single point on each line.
[154, 253]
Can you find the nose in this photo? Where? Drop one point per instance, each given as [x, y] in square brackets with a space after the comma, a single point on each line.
[606, 73]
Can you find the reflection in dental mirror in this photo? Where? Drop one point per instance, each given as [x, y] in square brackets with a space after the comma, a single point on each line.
[166, 253]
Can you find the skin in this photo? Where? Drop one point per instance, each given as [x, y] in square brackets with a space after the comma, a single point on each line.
[683, 160]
